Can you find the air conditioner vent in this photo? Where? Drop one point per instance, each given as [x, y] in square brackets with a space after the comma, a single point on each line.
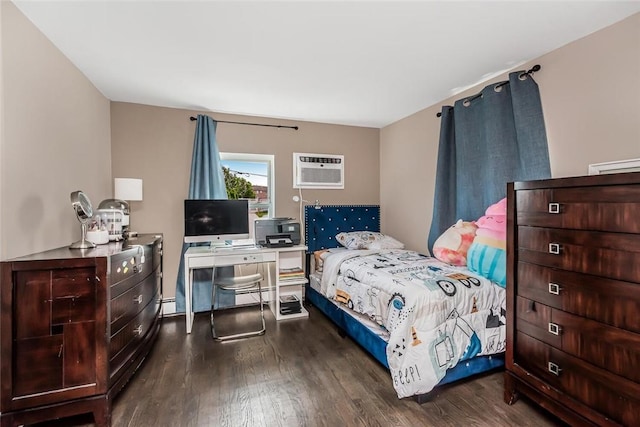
[322, 171]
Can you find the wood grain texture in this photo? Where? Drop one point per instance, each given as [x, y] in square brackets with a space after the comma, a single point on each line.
[55, 334]
[573, 263]
[300, 373]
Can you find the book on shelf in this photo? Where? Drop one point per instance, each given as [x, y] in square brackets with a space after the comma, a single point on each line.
[291, 270]
[291, 273]
[290, 278]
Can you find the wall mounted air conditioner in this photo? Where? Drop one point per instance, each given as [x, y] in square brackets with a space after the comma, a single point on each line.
[321, 171]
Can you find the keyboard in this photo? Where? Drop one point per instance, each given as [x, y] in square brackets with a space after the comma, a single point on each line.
[239, 243]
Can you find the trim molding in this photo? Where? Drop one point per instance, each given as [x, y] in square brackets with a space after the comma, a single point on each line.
[631, 165]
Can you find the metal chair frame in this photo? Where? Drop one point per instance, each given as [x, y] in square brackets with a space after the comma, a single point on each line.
[239, 285]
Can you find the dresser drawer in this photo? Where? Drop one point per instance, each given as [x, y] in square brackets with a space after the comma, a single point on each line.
[610, 348]
[73, 295]
[53, 297]
[534, 319]
[600, 208]
[581, 294]
[63, 360]
[130, 303]
[612, 255]
[609, 394]
[126, 339]
[38, 366]
[130, 267]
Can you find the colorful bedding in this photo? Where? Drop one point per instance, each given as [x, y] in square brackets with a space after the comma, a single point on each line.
[436, 315]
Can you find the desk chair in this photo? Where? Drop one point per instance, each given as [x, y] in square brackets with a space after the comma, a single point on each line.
[239, 285]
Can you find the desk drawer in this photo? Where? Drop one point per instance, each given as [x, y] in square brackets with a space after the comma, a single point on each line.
[229, 257]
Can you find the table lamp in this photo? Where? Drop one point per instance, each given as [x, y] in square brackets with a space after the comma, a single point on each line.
[127, 190]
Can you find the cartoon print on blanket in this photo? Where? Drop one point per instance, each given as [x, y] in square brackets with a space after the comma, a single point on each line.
[436, 314]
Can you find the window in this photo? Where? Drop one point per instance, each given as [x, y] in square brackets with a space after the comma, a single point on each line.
[257, 172]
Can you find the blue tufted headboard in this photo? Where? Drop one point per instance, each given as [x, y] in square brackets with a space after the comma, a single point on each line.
[323, 222]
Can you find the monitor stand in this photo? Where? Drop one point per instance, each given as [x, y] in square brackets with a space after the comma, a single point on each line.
[218, 244]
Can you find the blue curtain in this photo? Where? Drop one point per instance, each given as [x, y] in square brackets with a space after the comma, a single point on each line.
[206, 182]
[486, 141]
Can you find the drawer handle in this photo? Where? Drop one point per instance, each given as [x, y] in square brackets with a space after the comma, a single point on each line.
[554, 328]
[138, 299]
[532, 306]
[554, 248]
[554, 288]
[554, 208]
[138, 330]
[554, 369]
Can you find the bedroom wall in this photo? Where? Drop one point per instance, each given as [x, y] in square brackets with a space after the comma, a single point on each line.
[590, 94]
[155, 144]
[55, 139]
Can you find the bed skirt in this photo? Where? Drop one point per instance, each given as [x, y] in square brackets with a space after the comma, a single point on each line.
[377, 346]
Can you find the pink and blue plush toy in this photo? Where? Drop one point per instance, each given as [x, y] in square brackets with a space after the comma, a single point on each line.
[487, 254]
[452, 245]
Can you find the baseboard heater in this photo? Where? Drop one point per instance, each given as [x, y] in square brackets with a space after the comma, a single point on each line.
[169, 304]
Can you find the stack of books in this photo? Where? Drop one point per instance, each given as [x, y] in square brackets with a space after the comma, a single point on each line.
[291, 273]
[289, 304]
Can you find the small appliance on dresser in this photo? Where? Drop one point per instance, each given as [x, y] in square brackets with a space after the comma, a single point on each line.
[573, 297]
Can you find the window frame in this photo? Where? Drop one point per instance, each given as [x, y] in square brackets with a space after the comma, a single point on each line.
[261, 158]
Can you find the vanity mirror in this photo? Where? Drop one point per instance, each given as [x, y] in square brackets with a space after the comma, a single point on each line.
[84, 212]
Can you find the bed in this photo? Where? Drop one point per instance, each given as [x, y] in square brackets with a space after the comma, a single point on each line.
[429, 323]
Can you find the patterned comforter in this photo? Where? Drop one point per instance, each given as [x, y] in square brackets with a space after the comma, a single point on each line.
[437, 315]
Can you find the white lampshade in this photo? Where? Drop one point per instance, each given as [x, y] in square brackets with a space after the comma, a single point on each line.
[128, 189]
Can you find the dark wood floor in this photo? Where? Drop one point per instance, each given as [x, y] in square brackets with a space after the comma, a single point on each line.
[301, 373]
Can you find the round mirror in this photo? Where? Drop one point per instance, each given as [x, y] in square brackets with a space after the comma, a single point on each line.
[84, 212]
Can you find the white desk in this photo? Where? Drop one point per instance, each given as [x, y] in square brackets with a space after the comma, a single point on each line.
[205, 257]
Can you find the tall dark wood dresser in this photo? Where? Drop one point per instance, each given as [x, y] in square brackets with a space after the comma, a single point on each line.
[74, 327]
[573, 297]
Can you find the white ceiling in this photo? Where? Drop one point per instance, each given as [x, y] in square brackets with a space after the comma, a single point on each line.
[363, 63]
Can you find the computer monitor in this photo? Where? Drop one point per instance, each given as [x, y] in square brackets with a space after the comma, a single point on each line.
[215, 220]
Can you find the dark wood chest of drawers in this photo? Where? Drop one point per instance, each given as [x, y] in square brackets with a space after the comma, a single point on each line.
[573, 297]
[74, 326]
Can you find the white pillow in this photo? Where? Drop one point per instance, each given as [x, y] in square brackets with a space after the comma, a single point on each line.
[367, 240]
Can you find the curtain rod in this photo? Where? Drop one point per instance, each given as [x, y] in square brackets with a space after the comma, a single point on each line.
[193, 119]
[532, 70]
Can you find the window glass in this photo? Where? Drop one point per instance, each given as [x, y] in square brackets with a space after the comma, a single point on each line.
[250, 176]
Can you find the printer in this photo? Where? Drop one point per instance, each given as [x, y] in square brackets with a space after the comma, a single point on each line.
[277, 232]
